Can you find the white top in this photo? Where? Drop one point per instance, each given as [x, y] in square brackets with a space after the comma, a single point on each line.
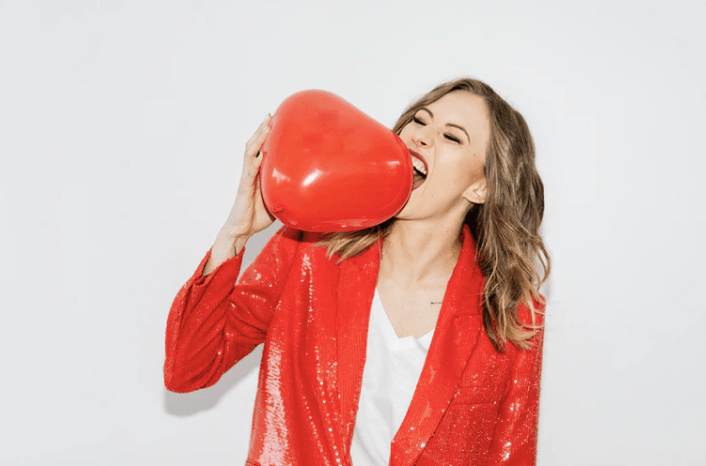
[392, 369]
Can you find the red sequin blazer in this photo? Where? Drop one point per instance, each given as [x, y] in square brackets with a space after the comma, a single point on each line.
[473, 405]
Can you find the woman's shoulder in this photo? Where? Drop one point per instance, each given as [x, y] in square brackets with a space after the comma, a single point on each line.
[312, 238]
[298, 242]
[290, 237]
[532, 316]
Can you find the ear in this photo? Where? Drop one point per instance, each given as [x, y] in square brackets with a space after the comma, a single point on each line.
[476, 192]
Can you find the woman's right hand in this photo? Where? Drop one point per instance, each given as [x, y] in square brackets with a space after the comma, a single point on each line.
[248, 214]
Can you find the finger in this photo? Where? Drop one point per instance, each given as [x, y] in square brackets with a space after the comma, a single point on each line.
[253, 148]
[260, 128]
[259, 131]
[256, 147]
[251, 167]
[255, 151]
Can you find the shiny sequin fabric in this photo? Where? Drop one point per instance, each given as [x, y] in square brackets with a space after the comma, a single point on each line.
[472, 405]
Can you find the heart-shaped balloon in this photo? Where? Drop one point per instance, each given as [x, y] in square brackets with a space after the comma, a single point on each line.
[327, 166]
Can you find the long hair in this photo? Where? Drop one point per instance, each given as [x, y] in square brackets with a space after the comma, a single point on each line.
[505, 227]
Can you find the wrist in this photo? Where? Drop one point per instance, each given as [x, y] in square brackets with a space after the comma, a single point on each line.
[233, 233]
[239, 244]
[236, 242]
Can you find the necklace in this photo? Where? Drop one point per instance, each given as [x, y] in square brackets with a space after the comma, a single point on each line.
[380, 258]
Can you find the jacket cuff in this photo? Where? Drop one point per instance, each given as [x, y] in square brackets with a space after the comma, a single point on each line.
[224, 271]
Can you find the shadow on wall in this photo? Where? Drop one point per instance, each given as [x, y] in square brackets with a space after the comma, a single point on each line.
[187, 404]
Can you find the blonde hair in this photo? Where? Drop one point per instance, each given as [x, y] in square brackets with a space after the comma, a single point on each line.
[505, 227]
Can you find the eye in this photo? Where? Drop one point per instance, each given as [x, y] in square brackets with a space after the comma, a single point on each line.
[448, 136]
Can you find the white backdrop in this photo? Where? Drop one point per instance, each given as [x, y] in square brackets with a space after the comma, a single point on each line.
[122, 126]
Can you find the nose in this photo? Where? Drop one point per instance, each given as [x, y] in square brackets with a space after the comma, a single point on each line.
[420, 138]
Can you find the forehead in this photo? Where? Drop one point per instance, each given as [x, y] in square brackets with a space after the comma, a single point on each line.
[464, 109]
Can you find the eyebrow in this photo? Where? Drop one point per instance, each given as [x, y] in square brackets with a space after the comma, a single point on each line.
[448, 124]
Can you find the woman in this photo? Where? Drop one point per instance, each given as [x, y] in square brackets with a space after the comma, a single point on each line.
[415, 342]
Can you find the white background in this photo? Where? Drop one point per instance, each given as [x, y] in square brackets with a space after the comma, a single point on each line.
[122, 126]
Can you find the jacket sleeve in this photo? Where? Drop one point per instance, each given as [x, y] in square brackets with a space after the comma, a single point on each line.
[515, 439]
[214, 322]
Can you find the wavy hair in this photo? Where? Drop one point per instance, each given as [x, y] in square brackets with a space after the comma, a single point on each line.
[509, 248]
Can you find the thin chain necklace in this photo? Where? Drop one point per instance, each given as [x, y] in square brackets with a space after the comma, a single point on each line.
[379, 241]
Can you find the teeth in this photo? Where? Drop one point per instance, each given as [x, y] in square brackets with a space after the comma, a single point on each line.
[419, 165]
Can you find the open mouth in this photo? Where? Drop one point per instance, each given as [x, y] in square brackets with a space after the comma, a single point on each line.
[420, 169]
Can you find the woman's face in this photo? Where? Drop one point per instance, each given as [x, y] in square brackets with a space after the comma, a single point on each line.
[451, 136]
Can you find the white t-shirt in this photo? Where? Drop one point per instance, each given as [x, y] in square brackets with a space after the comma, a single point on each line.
[392, 369]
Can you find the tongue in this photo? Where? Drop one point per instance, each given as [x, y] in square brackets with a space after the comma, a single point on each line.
[417, 180]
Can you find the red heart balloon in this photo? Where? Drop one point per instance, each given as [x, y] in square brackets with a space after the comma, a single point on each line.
[327, 166]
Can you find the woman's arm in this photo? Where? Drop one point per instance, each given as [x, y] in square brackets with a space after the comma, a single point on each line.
[248, 214]
[213, 323]
[515, 439]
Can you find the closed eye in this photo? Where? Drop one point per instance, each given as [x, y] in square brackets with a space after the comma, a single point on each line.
[447, 136]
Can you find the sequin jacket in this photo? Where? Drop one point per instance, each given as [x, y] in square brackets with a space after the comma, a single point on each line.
[473, 405]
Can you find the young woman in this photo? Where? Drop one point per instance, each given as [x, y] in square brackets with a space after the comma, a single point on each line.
[416, 342]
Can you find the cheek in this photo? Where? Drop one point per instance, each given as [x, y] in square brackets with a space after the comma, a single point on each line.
[475, 169]
[460, 171]
[403, 134]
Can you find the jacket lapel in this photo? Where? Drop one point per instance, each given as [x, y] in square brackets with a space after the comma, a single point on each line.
[458, 327]
[356, 288]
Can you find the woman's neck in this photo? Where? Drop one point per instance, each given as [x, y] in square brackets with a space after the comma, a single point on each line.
[420, 253]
